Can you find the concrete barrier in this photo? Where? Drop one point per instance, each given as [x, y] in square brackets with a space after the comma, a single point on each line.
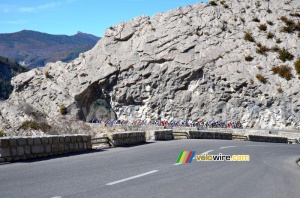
[21, 148]
[210, 135]
[127, 138]
[166, 134]
[257, 138]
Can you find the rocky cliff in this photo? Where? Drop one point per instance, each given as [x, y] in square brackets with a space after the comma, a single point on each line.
[219, 60]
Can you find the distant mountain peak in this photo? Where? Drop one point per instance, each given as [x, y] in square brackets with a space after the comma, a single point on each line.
[35, 49]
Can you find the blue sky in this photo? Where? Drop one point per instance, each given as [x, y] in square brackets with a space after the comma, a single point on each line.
[69, 16]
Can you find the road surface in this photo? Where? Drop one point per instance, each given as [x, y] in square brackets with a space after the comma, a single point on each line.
[150, 170]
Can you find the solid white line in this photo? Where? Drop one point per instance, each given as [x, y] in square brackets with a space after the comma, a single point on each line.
[176, 164]
[133, 177]
[206, 152]
[224, 147]
[257, 145]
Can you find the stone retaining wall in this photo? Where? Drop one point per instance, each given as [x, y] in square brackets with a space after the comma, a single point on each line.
[127, 138]
[210, 135]
[182, 129]
[257, 138]
[166, 134]
[255, 132]
[20, 148]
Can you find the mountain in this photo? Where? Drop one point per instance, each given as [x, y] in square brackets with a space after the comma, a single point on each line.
[35, 49]
[232, 61]
[8, 69]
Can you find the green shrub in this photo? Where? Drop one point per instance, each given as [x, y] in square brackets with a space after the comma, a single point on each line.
[279, 90]
[224, 4]
[242, 20]
[35, 125]
[288, 76]
[248, 37]
[261, 78]
[290, 26]
[297, 65]
[47, 74]
[275, 48]
[297, 26]
[259, 67]
[2, 134]
[251, 81]
[262, 49]
[283, 71]
[278, 40]
[269, 10]
[285, 55]
[270, 35]
[295, 15]
[298, 34]
[287, 29]
[212, 3]
[270, 23]
[255, 19]
[248, 58]
[287, 21]
[275, 69]
[262, 27]
[63, 110]
[258, 44]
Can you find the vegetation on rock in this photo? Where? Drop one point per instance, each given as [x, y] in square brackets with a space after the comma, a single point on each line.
[29, 124]
[297, 65]
[63, 110]
[285, 55]
[261, 78]
[248, 37]
[283, 71]
[248, 58]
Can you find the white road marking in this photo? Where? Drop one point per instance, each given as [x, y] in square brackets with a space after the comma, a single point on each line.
[130, 178]
[57, 197]
[257, 145]
[206, 152]
[224, 147]
[176, 164]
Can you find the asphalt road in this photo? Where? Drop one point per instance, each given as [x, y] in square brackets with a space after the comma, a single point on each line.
[149, 171]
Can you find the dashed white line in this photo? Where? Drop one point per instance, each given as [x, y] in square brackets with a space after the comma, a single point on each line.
[257, 145]
[224, 147]
[206, 152]
[130, 178]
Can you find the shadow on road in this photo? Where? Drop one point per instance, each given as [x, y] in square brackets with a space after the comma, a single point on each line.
[38, 159]
[134, 145]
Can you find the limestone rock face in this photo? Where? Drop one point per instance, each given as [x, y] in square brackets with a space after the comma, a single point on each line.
[188, 63]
